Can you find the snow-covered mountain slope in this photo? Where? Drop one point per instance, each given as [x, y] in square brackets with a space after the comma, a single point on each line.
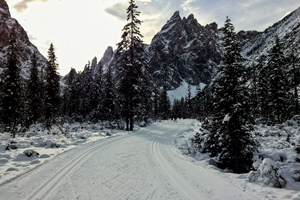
[25, 47]
[287, 30]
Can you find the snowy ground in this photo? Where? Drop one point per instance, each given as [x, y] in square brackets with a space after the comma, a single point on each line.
[47, 144]
[277, 146]
[145, 164]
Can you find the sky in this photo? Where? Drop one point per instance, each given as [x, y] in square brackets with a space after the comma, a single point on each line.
[83, 29]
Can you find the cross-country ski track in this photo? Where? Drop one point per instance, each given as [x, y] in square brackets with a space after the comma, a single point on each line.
[144, 164]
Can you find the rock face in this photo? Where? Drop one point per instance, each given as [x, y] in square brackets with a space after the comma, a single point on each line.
[7, 24]
[190, 51]
[25, 47]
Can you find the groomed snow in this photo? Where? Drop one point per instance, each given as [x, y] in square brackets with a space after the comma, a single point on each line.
[145, 164]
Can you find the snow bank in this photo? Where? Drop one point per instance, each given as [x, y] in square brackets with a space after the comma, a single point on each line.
[273, 167]
[37, 145]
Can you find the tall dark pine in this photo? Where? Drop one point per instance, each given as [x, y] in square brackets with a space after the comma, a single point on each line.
[86, 98]
[130, 62]
[11, 90]
[188, 102]
[109, 96]
[165, 101]
[34, 93]
[277, 84]
[144, 109]
[262, 88]
[155, 97]
[69, 97]
[230, 140]
[52, 101]
[294, 74]
[98, 94]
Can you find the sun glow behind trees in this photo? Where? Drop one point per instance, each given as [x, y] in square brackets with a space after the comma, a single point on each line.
[72, 28]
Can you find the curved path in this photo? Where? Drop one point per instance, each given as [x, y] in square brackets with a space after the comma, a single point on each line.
[142, 165]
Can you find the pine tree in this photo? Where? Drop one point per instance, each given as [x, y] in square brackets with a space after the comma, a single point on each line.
[156, 97]
[11, 91]
[75, 96]
[69, 98]
[294, 74]
[130, 62]
[86, 81]
[262, 88]
[188, 102]
[229, 139]
[144, 109]
[109, 96]
[277, 84]
[165, 101]
[52, 101]
[98, 88]
[34, 94]
[254, 99]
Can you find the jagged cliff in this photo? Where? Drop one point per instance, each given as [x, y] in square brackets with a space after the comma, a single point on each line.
[190, 50]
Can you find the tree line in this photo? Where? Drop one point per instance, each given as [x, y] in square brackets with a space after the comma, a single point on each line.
[242, 94]
[119, 95]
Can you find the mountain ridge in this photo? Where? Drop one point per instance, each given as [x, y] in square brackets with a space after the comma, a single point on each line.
[25, 47]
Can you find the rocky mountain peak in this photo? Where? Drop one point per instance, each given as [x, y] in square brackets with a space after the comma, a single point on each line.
[175, 16]
[191, 17]
[4, 10]
[107, 56]
[190, 50]
[212, 26]
[7, 25]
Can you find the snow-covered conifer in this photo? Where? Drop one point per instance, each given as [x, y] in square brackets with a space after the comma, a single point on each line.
[130, 62]
[52, 101]
[229, 139]
[11, 89]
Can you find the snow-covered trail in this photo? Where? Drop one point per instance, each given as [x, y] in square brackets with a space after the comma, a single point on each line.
[142, 165]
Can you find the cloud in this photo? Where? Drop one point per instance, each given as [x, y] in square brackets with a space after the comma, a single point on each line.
[118, 10]
[245, 15]
[23, 5]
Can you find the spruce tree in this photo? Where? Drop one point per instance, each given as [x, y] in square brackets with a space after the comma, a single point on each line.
[130, 62]
[11, 90]
[109, 96]
[277, 84]
[52, 101]
[34, 92]
[294, 81]
[188, 102]
[98, 92]
[86, 82]
[144, 109]
[164, 101]
[262, 88]
[155, 97]
[68, 97]
[254, 76]
[229, 139]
